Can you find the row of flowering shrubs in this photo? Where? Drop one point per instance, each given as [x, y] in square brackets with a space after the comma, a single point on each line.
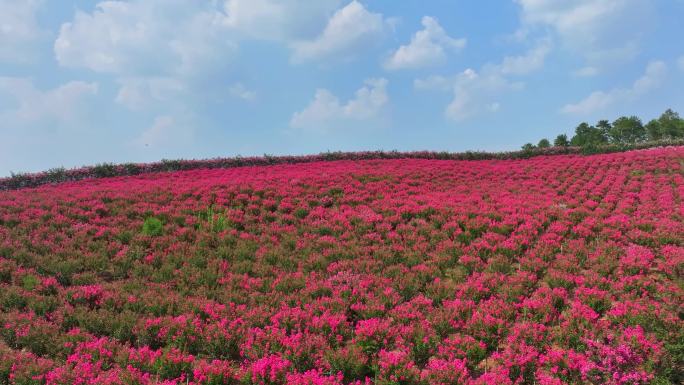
[551, 270]
[107, 170]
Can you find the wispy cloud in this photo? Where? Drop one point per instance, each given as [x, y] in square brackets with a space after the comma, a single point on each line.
[600, 100]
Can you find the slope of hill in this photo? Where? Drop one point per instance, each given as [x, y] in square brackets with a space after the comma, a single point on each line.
[549, 270]
[108, 170]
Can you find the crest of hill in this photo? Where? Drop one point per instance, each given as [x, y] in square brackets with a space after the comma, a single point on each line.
[107, 170]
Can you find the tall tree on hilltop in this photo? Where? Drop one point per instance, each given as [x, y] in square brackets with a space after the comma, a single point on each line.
[627, 130]
[671, 125]
[561, 141]
[604, 128]
[586, 135]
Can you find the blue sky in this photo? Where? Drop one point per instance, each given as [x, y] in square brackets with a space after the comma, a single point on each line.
[83, 82]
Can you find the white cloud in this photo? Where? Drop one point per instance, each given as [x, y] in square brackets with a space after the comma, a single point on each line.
[586, 72]
[157, 50]
[527, 63]
[282, 20]
[238, 90]
[474, 92]
[427, 47]
[144, 37]
[435, 82]
[652, 78]
[477, 92]
[165, 133]
[350, 29]
[600, 100]
[601, 30]
[29, 105]
[136, 93]
[312, 30]
[326, 112]
[19, 30]
[680, 62]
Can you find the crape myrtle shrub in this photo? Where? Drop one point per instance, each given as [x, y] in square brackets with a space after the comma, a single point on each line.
[551, 270]
[106, 170]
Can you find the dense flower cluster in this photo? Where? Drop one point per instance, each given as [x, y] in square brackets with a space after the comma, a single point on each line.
[553, 270]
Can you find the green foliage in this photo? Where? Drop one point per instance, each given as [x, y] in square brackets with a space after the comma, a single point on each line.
[213, 220]
[670, 125]
[623, 134]
[528, 147]
[653, 130]
[153, 227]
[301, 213]
[55, 175]
[19, 180]
[561, 141]
[131, 168]
[171, 165]
[29, 282]
[672, 367]
[351, 362]
[627, 130]
[104, 170]
[586, 135]
[544, 143]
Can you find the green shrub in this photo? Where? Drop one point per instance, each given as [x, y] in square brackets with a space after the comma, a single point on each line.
[29, 282]
[131, 168]
[153, 227]
[104, 170]
[301, 213]
[55, 175]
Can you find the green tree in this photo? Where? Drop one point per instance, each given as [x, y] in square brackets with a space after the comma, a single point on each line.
[604, 128]
[586, 135]
[671, 125]
[528, 147]
[627, 130]
[544, 143]
[561, 141]
[653, 130]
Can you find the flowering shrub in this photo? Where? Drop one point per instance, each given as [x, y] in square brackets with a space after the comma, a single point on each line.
[563, 269]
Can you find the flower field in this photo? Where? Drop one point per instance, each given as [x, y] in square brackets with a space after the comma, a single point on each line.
[552, 270]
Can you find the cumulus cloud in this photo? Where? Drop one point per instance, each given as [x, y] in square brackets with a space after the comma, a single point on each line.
[238, 90]
[137, 92]
[155, 49]
[476, 92]
[427, 47]
[348, 31]
[282, 20]
[600, 100]
[601, 30]
[19, 30]
[144, 37]
[326, 111]
[527, 63]
[28, 105]
[435, 82]
[164, 133]
[586, 72]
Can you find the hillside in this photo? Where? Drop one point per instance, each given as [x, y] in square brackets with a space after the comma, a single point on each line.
[550, 270]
